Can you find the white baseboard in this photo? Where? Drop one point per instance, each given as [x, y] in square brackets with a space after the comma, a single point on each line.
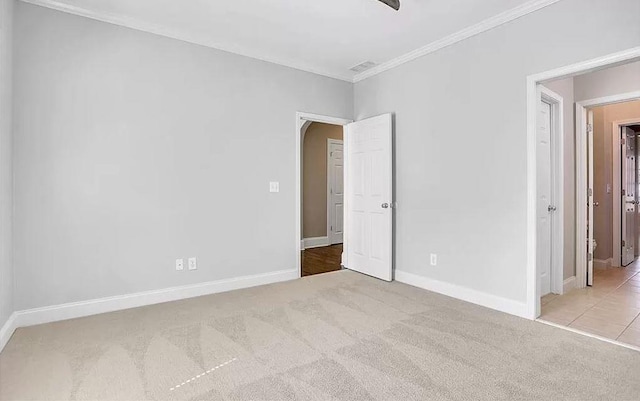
[569, 284]
[602, 264]
[6, 331]
[316, 242]
[466, 294]
[103, 305]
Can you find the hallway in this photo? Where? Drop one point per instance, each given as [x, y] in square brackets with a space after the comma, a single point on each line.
[608, 309]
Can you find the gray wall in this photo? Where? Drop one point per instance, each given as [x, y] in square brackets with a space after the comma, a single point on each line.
[462, 192]
[132, 150]
[6, 177]
[612, 81]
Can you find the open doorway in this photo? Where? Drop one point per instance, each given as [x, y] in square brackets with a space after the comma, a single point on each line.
[611, 226]
[322, 198]
[359, 210]
[600, 291]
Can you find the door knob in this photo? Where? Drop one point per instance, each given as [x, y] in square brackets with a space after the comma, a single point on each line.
[596, 203]
[385, 205]
[551, 208]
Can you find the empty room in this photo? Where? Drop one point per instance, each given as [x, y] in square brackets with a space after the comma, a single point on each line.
[277, 200]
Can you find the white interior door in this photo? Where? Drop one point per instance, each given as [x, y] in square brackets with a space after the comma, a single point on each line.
[335, 190]
[368, 197]
[545, 207]
[628, 198]
[590, 204]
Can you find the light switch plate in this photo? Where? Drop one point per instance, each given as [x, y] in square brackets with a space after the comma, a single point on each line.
[193, 264]
[274, 186]
[179, 264]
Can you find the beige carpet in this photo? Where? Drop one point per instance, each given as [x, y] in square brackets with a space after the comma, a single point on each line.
[338, 336]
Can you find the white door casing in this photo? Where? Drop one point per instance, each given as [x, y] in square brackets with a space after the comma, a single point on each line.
[335, 191]
[545, 207]
[368, 197]
[532, 305]
[590, 202]
[628, 195]
[302, 122]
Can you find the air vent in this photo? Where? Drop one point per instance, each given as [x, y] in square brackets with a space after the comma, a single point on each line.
[363, 66]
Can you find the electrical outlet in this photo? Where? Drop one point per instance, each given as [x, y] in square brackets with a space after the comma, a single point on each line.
[179, 264]
[434, 259]
[274, 186]
[193, 264]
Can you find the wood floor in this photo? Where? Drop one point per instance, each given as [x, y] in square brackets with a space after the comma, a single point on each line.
[321, 260]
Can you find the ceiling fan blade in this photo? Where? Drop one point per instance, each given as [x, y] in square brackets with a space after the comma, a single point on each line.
[395, 4]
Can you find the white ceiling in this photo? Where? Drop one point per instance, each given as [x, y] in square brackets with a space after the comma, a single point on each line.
[323, 36]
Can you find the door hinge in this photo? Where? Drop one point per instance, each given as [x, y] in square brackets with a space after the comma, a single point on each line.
[623, 141]
[589, 128]
[624, 243]
[589, 257]
[331, 228]
[624, 192]
[590, 192]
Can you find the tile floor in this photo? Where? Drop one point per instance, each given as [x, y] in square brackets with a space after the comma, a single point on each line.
[610, 308]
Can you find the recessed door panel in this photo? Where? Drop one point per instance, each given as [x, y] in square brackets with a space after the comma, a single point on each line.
[368, 197]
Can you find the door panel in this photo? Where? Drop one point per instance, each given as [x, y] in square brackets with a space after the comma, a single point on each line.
[590, 203]
[368, 197]
[628, 197]
[336, 190]
[544, 197]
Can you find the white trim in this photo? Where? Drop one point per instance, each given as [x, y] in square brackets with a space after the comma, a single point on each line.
[584, 333]
[569, 284]
[556, 103]
[603, 101]
[316, 242]
[582, 197]
[6, 331]
[463, 293]
[183, 35]
[533, 301]
[302, 123]
[602, 263]
[487, 24]
[110, 304]
[587, 66]
[330, 234]
[615, 188]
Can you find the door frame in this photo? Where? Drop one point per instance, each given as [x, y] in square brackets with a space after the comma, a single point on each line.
[616, 188]
[557, 186]
[329, 182]
[303, 120]
[532, 306]
[582, 167]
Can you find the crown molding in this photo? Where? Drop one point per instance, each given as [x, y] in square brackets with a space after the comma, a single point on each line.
[178, 34]
[203, 40]
[487, 24]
